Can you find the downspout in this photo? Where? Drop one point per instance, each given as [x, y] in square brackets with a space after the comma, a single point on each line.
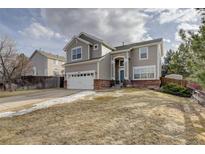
[98, 70]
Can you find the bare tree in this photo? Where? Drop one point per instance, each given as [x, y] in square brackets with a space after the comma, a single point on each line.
[12, 64]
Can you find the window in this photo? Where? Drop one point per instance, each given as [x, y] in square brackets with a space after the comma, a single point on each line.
[146, 72]
[121, 63]
[76, 53]
[96, 47]
[143, 53]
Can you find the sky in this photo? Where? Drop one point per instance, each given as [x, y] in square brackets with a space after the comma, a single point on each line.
[51, 29]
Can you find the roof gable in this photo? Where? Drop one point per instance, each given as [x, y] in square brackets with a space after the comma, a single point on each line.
[48, 55]
[95, 39]
[73, 39]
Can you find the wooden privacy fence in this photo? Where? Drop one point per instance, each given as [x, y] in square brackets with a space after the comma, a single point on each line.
[40, 82]
[182, 83]
[197, 93]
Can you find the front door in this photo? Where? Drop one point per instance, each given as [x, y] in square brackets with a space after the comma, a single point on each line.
[121, 75]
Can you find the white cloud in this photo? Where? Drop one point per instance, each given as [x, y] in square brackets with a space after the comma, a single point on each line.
[175, 46]
[167, 40]
[36, 30]
[112, 25]
[186, 27]
[178, 16]
[154, 10]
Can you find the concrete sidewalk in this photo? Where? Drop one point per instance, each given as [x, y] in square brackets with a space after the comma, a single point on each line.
[16, 102]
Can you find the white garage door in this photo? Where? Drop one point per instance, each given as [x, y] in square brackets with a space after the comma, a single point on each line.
[81, 80]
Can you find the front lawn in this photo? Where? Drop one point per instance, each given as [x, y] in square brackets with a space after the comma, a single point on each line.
[127, 116]
[16, 93]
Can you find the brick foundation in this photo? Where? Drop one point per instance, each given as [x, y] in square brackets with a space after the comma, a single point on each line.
[100, 84]
[65, 84]
[146, 83]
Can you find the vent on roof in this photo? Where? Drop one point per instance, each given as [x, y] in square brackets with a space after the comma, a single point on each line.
[123, 43]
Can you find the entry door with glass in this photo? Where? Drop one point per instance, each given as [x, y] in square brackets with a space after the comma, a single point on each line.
[121, 75]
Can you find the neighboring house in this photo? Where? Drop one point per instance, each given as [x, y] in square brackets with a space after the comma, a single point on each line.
[93, 64]
[46, 64]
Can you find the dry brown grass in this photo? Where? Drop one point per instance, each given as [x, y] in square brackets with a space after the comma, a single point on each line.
[127, 116]
[17, 93]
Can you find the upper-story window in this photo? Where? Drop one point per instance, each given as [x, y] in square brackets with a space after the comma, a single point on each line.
[143, 53]
[76, 53]
[95, 47]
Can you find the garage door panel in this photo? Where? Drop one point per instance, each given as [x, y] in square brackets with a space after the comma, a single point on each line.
[81, 80]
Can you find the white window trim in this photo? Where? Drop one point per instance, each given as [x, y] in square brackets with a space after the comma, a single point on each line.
[147, 51]
[94, 47]
[72, 53]
[144, 67]
[81, 72]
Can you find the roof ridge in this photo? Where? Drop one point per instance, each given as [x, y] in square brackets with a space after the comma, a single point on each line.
[51, 55]
[91, 35]
[140, 42]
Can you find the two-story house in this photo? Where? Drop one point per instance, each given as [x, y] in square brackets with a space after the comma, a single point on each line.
[46, 64]
[93, 64]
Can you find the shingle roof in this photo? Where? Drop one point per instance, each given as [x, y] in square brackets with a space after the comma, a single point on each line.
[50, 55]
[128, 46]
[97, 39]
[85, 60]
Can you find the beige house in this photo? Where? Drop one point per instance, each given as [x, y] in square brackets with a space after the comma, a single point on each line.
[47, 64]
[93, 64]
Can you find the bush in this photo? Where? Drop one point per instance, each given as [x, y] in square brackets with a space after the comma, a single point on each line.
[177, 90]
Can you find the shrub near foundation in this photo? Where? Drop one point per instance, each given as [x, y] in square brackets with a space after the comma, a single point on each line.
[176, 90]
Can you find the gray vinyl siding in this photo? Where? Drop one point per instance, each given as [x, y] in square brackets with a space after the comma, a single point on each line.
[81, 67]
[93, 53]
[76, 43]
[134, 59]
[105, 68]
[96, 53]
[41, 64]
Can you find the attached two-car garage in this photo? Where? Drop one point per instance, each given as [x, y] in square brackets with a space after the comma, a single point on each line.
[82, 75]
[80, 80]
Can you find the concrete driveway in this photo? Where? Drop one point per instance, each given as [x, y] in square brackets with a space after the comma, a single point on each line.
[17, 102]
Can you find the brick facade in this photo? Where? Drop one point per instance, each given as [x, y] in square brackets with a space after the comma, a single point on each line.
[102, 84]
[146, 83]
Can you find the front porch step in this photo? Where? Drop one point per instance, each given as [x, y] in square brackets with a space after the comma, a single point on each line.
[118, 86]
